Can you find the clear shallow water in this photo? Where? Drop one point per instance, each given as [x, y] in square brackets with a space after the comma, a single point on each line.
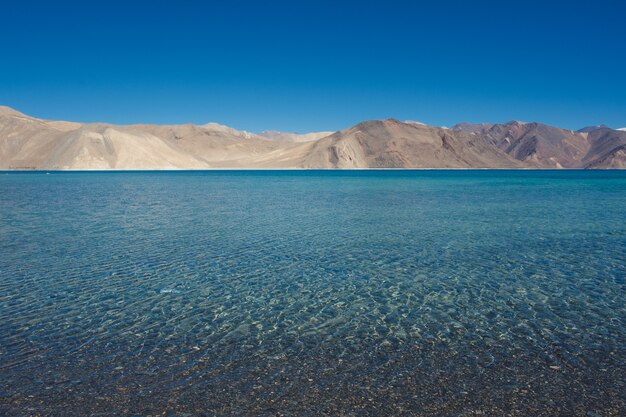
[445, 293]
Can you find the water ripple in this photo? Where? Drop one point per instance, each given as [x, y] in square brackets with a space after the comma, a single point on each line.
[313, 293]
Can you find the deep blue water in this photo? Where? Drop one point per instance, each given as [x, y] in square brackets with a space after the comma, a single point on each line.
[434, 293]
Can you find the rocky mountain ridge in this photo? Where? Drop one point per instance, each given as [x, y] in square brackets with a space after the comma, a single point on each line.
[28, 143]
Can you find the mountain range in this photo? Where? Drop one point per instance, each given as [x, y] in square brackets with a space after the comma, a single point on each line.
[28, 143]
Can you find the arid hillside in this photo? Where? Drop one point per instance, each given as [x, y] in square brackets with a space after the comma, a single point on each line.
[28, 143]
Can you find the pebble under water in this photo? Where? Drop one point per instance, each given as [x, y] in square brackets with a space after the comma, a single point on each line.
[265, 293]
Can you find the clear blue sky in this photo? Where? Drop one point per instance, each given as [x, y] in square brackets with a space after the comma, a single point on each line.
[315, 65]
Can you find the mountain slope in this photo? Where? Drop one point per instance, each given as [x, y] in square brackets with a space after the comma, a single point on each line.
[31, 143]
[539, 145]
[475, 128]
[608, 149]
[543, 146]
[588, 129]
[27, 143]
[215, 147]
[393, 144]
[293, 137]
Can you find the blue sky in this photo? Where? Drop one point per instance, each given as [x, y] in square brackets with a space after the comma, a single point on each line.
[315, 65]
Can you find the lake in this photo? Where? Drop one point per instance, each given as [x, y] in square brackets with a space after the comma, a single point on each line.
[306, 293]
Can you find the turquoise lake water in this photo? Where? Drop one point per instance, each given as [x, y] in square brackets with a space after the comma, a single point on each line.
[434, 293]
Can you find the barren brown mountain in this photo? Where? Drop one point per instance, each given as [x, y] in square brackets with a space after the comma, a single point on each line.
[31, 143]
[608, 149]
[543, 146]
[393, 144]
